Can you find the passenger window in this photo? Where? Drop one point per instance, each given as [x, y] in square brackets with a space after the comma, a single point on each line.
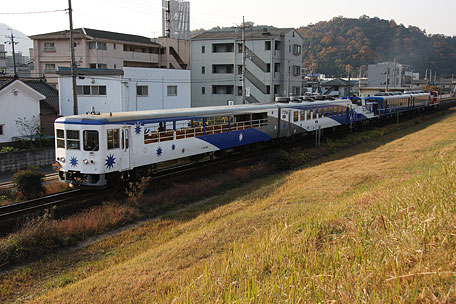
[113, 139]
[303, 115]
[295, 116]
[60, 139]
[72, 140]
[90, 140]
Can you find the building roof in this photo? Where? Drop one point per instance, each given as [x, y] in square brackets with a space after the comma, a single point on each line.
[65, 71]
[335, 83]
[258, 33]
[38, 84]
[92, 33]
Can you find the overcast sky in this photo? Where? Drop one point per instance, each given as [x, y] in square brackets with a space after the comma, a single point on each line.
[143, 17]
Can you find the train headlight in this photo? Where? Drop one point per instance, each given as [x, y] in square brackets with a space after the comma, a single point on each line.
[85, 161]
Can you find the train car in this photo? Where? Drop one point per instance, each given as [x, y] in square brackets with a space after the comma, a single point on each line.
[92, 148]
[387, 104]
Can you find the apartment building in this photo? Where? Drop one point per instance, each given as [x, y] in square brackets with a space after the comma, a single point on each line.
[272, 66]
[99, 49]
[396, 74]
[3, 61]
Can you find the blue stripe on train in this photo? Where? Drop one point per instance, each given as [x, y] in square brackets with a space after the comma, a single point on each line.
[235, 138]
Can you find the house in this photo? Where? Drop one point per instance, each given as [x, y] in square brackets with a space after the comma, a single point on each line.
[97, 49]
[129, 89]
[30, 99]
[339, 87]
[273, 59]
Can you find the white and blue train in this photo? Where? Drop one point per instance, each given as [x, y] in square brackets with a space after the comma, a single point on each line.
[92, 149]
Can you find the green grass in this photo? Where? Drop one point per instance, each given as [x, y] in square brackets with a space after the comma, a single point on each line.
[372, 223]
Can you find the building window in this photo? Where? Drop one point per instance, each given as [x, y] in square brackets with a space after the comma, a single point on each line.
[203, 49]
[277, 45]
[268, 67]
[222, 90]
[142, 91]
[172, 90]
[222, 68]
[239, 91]
[2, 55]
[267, 45]
[98, 66]
[276, 89]
[97, 45]
[49, 47]
[203, 70]
[268, 90]
[114, 46]
[203, 90]
[296, 49]
[222, 47]
[1, 130]
[289, 48]
[276, 67]
[72, 140]
[296, 70]
[87, 90]
[113, 139]
[239, 69]
[49, 67]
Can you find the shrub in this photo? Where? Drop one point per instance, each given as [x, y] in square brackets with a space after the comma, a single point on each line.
[8, 149]
[29, 182]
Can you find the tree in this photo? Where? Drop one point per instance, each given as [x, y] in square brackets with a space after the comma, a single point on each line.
[29, 128]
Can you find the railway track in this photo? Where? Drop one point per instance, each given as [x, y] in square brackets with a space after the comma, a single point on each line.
[61, 203]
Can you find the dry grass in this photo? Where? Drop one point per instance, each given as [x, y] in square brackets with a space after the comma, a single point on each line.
[54, 187]
[371, 224]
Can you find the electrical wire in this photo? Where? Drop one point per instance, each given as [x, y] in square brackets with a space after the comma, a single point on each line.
[31, 13]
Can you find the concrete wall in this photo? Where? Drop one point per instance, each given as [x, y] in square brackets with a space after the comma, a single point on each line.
[121, 91]
[13, 161]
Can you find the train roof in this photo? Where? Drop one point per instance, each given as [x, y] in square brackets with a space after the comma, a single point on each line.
[183, 113]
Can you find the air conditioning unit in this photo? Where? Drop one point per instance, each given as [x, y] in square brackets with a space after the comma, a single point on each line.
[231, 102]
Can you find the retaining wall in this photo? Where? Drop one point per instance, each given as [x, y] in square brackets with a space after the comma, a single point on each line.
[13, 161]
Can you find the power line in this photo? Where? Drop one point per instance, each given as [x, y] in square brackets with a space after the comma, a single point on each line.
[30, 13]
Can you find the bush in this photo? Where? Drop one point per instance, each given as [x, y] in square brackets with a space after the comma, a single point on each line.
[29, 182]
[8, 149]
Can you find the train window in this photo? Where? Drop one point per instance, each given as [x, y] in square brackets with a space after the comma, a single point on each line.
[302, 115]
[314, 114]
[90, 140]
[72, 139]
[308, 115]
[295, 116]
[60, 139]
[113, 137]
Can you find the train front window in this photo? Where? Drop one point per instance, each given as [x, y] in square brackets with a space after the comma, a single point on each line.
[60, 139]
[72, 140]
[91, 140]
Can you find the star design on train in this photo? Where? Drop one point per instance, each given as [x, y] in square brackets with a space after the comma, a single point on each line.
[173, 147]
[110, 161]
[159, 151]
[137, 128]
[73, 162]
[241, 137]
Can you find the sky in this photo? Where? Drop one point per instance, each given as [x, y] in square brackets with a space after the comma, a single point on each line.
[143, 17]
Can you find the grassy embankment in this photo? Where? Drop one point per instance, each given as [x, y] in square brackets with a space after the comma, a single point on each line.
[371, 223]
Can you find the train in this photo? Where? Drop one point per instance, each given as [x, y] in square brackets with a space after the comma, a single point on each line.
[94, 149]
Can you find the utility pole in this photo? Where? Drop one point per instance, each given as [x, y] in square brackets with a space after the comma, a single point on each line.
[12, 46]
[243, 60]
[387, 80]
[411, 81]
[73, 61]
[349, 82]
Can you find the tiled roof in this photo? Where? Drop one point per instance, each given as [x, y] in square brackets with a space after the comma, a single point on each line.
[237, 34]
[101, 35]
[39, 85]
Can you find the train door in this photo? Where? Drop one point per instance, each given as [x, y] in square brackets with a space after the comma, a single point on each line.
[125, 148]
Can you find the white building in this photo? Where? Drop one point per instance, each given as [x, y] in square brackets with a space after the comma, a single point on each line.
[130, 89]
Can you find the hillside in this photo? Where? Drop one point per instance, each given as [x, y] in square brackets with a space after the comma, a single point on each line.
[329, 46]
[24, 43]
[373, 223]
